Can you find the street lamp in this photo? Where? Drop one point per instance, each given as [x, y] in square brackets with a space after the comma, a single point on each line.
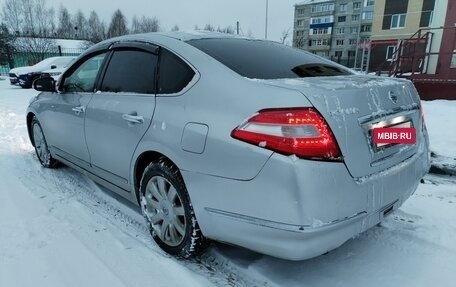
[266, 26]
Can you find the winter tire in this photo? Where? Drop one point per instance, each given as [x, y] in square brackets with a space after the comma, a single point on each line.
[41, 147]
[168, 212]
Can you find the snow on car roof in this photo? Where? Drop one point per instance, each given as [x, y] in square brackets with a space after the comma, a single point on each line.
[180, 35]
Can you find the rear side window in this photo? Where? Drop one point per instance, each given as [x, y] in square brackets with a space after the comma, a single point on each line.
[130, 71]
[174, 74]
[257, 59]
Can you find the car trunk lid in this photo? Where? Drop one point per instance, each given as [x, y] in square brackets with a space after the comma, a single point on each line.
[353, 106]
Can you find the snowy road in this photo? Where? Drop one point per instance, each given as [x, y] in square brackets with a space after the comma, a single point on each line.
[57, 228]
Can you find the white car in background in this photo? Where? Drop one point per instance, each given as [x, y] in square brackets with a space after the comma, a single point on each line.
[24, 76]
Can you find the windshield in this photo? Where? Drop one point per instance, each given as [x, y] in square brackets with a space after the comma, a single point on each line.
[259, 59]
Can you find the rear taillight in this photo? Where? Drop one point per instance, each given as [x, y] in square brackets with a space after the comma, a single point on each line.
[299, 131]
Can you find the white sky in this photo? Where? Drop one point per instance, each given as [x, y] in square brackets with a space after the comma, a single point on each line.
[187, 13]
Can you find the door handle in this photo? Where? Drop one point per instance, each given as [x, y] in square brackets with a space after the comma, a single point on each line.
[79, 109]
[133, 118]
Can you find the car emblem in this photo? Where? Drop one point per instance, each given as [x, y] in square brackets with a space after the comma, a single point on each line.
[393, 97]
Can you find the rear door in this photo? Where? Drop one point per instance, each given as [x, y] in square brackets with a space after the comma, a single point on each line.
[121, 110]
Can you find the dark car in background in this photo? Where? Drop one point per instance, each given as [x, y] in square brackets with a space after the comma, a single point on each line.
[24, 76]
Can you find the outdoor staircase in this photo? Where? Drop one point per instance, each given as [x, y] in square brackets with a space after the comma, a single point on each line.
[410, 56]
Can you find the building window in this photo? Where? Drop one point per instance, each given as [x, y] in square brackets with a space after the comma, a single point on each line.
[320, 31]
[300, 23]
[299, 33]
[398, 21]
[369, 3]
[368, 15]
[366, 28]
[453, 60]
[355, 17]
[343, 7]
[322, 53]
[341, 19]
[301, 11]
[354, 30]
[356, 5]
[340, 30]
[351, 54]
[431, 18]
[322, 8]
[352, 41]
[340, 42]
[319, 42]
[338, 54]
[390, 53]
[322, 20]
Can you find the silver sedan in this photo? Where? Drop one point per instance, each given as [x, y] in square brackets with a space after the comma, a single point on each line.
[244, 141]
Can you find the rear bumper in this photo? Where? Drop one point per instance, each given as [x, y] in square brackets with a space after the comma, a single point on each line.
[295, 242]
[298, 209]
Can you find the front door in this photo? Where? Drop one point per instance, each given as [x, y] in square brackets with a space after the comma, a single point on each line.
[66, 120]
[121, 112]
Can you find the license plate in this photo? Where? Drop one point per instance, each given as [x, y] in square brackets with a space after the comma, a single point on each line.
[403, 133]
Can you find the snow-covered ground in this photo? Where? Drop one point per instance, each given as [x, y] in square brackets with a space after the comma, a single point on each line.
[58, 228]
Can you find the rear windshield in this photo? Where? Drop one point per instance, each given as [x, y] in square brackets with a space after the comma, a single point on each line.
[257, 59]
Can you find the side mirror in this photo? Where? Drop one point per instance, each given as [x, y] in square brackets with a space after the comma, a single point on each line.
[53, 67]
[45, 84]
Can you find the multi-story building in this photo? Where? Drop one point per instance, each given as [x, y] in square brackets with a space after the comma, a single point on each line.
[395, 22]
[335, 29]
[416, 39]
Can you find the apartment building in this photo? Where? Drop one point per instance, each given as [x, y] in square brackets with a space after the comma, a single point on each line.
[396, 21]
[336, 29]
[416, 39]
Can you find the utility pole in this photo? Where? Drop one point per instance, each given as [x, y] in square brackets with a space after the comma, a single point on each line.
[237, 27]
[266, 27]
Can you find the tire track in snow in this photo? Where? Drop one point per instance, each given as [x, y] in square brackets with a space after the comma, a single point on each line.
[74, 186]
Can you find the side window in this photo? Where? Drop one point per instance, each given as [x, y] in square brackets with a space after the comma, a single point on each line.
[130, 71]
[83, 78]
[174, 74]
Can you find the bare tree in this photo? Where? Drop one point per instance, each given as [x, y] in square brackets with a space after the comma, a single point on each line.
[285, 35]
[226, 30]
[34, 22]
[29, 17]
[80, 25]
[97, 29]
[37, 48]
[144, 25]
[209, 27]
[12, 16]
[175, 28]
[65, 27]
[38, 20]
[118, 25]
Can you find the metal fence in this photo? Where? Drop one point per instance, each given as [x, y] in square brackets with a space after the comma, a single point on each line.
[21, 59]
